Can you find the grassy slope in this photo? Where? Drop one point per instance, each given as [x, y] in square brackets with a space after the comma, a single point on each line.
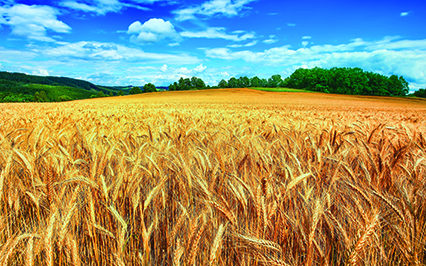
[55, 91]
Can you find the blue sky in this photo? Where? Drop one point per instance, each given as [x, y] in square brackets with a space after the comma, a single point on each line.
[133, 42]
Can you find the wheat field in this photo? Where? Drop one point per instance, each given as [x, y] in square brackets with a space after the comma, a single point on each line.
[223, 177]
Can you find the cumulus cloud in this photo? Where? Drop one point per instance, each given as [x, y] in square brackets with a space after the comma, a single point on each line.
[291, 24]
[395, 57]
[152, 31]
[227, 8]
[219, 33]
[41, 72]
[32, 22]
[306, 37]
[404, 14]
[200, 68]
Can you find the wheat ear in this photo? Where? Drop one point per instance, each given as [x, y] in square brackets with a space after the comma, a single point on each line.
[217, 243]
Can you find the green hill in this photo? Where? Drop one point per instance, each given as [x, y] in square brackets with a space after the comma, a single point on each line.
[55, 81]
[19, 87]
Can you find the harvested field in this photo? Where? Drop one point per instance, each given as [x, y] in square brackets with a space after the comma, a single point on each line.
[215, 177]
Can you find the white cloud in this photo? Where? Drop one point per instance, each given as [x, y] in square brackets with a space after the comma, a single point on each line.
[396, 57]
[152, 31]
[111, 52]
[200, 68]
[250, 44]
[291, 25]
[41, 72]
[306, 37]
[88, 8]
[164, 68]
[101, 7]
[304, 43]
[32, 22]
[404, 14]
[272, 39]
[9, 55]
[227, 8]
[184, 70]
[398, 45]
[219, 33]
[116, 64]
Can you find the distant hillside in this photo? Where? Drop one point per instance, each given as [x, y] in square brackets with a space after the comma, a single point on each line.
[19, 87]
[55, 81]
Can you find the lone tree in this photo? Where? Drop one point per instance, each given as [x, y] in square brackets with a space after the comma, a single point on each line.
[149, 88]
[135, 90]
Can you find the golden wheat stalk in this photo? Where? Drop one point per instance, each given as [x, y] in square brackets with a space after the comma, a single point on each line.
[217, 243]
[363, 240]
[178, 254]
[195, 244]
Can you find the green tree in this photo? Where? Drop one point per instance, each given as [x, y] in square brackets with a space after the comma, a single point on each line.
[174, 87]
[120, 93]
[200, 84]
[244, 82]
[420, 93]
[135, 90]
[64, 98]
[233, 83]
[111, 94]
[263, 83]
[194, 82]
[184, 84]
[101, 94]
[36, 97]
[223, 84]
[255, 82]
[43, 96]
[187, 83]
[405, 88]
[149, 87]
[40, 97]
[275, 81]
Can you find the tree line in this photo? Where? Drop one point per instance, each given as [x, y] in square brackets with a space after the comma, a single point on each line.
[184, 84]
[335, 80]
[344, 80]
[347, 81]
[18, 87]
[420, 93]
[149, 87]
[275, 81]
